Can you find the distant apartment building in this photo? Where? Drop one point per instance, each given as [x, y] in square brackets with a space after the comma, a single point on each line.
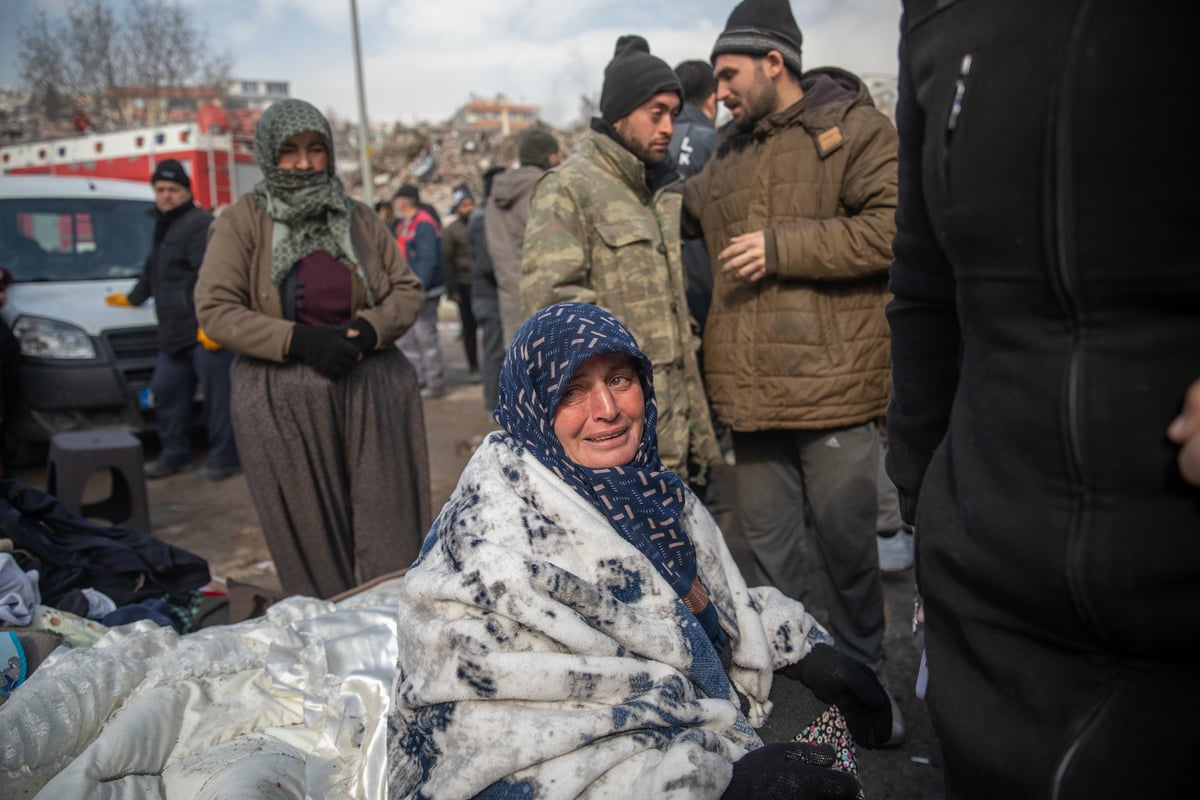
[245, 95]
[156, 105]
[495, 114]
[13, 114]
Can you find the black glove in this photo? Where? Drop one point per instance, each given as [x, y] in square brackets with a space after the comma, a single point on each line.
[790, 770]
[366, 339]
[327, 350]
[852, 686]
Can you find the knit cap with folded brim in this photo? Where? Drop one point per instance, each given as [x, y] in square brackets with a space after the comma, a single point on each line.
[633, 77]
[755, 27]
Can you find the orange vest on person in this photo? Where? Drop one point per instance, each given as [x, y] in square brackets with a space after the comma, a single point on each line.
[407, 229]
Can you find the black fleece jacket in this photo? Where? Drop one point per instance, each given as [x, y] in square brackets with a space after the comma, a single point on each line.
[180, 238]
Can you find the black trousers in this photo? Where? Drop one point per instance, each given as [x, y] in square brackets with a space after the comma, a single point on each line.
[469, 326]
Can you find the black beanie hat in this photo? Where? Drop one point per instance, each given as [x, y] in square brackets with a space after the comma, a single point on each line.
[633, 77]
[409, 191]
[631, 40]
[756, 27]
[535, 148]
[171, 170]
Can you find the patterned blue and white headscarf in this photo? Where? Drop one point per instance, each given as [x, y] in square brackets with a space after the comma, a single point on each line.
[643, 500]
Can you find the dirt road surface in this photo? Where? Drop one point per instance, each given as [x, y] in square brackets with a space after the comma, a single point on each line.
[217, 521]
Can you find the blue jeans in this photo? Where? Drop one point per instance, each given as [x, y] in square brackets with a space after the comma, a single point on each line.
[174, 385]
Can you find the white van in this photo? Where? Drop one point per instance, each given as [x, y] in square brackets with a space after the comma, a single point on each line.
[68, 242]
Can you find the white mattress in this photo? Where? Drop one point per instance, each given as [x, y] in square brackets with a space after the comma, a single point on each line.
[290, 705]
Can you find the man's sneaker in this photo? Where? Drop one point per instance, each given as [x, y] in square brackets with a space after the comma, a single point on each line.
[211, 473]
[895, 551]
[162, 469]
[431, 392]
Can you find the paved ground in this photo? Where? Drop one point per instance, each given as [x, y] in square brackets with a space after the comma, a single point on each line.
[217, 521]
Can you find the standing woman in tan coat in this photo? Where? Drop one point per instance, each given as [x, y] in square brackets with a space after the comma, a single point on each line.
[309, 288]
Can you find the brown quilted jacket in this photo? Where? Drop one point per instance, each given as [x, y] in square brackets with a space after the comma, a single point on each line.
[807, 346]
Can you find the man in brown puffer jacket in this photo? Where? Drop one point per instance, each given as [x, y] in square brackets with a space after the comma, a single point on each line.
[797, 207]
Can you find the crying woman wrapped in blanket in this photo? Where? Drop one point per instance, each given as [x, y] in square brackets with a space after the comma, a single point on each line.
[575, 624]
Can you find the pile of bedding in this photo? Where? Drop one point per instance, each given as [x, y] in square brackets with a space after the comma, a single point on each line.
[292, 704]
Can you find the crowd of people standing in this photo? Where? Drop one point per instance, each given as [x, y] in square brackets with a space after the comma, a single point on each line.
[767, 293]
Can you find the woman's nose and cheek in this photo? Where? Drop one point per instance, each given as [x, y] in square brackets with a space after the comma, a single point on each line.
[602, 403]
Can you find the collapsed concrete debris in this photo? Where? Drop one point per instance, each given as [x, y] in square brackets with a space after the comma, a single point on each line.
[434, 158]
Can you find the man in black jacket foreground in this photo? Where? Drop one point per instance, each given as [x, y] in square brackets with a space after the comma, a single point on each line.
[1044, 337]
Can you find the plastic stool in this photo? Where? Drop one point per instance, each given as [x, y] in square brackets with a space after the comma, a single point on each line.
[75, 455]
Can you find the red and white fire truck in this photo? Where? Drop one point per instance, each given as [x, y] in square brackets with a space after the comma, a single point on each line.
[219, 160]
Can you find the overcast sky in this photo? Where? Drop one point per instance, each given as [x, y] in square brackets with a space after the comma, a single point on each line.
[423, 59]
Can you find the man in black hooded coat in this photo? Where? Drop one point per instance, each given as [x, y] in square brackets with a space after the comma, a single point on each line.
[1044, 335]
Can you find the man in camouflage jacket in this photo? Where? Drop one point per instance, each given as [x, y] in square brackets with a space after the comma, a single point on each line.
[604, 229]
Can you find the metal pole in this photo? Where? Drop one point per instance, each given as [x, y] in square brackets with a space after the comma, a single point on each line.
[364, 159]
[212, 171]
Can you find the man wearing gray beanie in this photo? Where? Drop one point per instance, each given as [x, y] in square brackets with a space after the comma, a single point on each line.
[604, 229]
[797, 208]
[757, 27]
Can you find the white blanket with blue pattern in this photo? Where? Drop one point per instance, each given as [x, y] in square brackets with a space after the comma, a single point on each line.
[543, 656]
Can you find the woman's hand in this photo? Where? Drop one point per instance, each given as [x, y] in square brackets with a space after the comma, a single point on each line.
[1185, 431]
[361, 335]
[852, 686]
[327, 350]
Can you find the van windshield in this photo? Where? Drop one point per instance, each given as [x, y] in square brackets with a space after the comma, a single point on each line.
[69, 239]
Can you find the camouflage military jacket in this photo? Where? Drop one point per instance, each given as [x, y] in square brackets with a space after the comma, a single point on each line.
[596, 234]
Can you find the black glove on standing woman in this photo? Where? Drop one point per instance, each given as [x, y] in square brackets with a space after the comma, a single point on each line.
[366, 339]
[327, 350]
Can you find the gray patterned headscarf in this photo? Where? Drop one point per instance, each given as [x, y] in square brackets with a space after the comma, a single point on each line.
[309, 209]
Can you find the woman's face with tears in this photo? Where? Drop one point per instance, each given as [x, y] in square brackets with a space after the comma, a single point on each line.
[602, 413]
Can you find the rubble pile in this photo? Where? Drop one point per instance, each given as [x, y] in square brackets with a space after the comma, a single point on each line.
[436, 159]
